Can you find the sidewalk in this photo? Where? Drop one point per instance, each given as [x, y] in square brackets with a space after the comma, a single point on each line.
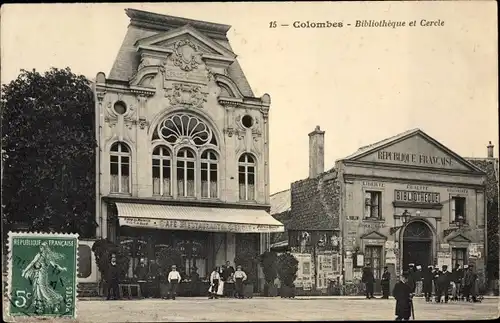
[261, 297]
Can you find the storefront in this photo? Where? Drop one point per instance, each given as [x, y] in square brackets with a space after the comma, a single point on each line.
[182, 147]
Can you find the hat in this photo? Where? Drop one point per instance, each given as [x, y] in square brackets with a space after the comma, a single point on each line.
[419, 267]
[445, 266]
[238, 267]
[174, 266]
[411, 265]
[436, 267]
[466, 266]
[385, 267]
[430, 266]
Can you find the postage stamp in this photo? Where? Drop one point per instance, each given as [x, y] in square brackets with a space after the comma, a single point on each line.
[42, 275]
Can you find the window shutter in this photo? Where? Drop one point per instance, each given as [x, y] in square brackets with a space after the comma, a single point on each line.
[452, 210]
[367, 204]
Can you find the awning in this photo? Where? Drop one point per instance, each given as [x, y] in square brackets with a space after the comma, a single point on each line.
[197, 218]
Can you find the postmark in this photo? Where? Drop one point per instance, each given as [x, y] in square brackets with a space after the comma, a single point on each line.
[42, 275]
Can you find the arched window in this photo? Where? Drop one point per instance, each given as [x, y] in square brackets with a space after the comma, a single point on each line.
[246, 177]
[162, 171]
[209, 174]
[185, 172]
[120, 168]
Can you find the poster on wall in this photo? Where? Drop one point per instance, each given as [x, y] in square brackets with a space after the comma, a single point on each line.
[444, 258]
[474, 250]
[360, 260]
[390, 257]
[304, 272]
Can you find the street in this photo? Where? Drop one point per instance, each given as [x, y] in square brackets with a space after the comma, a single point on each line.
[271, 309]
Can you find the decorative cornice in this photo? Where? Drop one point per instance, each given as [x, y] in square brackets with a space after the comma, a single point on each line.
[142, 91]
[151, 19]
[435, 206]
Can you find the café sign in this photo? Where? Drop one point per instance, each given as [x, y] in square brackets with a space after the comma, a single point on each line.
[189, 225]
[416, 197]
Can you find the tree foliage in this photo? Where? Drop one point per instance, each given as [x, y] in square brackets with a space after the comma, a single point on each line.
[103, 249]
[288, 266]
[269, 263]
[49, 162]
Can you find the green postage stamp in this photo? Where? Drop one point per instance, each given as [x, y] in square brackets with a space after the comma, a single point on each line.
[42, 274]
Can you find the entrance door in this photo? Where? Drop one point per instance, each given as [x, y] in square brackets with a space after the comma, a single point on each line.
[417, 245]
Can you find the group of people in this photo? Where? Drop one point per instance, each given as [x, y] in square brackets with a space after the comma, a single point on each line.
[165, 285]
[222, 277]
[461, 283]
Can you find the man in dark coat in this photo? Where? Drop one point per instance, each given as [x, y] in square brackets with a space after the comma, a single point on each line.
[368, 280]
[154, 274]
[386, 282]
[412, 277]
[457, 275]
[403, 295]
[113, 279]
[427, 279]
[469, 284]
[141, 273]
[443, 284]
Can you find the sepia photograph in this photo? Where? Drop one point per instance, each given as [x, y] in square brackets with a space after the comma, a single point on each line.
[250, 161]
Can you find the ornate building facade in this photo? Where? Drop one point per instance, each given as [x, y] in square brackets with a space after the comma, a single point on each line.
[183, 146]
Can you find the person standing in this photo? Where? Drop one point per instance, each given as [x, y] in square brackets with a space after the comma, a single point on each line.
[239, 277]
[412, 279]
[174, 278]
[141, 273]
[457, 279]
[427, 279]
[154, 274]
[469, 284]
[227, 277]
[194, 278]
[214, 283]
[113, 279]
[443, 284]
[403, 295]
[368, 280]
[418, 280]
[386, 282]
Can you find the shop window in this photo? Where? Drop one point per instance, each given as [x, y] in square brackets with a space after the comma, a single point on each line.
[373, 258]
[457, 206]
[162, 171]
[373, 201]
[209, 174]
[459, 256]
[120, 168]
[185, 173]
[246, 177]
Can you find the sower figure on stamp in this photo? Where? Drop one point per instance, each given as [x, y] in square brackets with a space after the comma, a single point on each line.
[386, 281]
[174, 278]
[404, 297]
[427, 279]
[141, 273]
[113, 279]
[368, 280]
[45, 298]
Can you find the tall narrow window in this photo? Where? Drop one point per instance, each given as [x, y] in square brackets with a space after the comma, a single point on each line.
[162, 170]
[246, 177]
[209, 174]
[185, 173]
[373, 256]
[120, 168]
[459, 256]
[372, 205]
[457, 206]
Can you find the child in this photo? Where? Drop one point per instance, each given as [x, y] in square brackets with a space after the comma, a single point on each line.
[174, 278]
[214, 283]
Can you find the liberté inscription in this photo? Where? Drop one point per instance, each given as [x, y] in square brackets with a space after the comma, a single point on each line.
[420, 159]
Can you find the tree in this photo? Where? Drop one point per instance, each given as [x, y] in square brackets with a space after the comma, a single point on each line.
[49, 144]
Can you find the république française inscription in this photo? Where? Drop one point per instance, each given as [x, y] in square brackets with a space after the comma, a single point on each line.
[42, 274]
[418, 159]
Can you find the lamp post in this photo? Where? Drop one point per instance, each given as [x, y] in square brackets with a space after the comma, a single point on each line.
[405, 218]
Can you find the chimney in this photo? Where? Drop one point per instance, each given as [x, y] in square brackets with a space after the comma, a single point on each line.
[490, 150]
[316, 152]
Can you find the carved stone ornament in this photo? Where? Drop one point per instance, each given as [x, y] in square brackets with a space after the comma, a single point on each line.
[143, 123]
[145, 61]
[111, 117]
[186, 55]
[185, 94]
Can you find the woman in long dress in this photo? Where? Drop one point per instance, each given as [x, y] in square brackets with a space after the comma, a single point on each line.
[43, 295]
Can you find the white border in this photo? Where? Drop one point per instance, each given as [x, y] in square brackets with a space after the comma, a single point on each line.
[9, 271]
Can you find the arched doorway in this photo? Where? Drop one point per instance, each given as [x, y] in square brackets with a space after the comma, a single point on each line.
[417, 244]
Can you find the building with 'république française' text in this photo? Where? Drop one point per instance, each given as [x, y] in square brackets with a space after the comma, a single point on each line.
[183, 147]
[406, 199]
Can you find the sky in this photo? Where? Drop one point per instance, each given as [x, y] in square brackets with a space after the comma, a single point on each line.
[360, 85]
